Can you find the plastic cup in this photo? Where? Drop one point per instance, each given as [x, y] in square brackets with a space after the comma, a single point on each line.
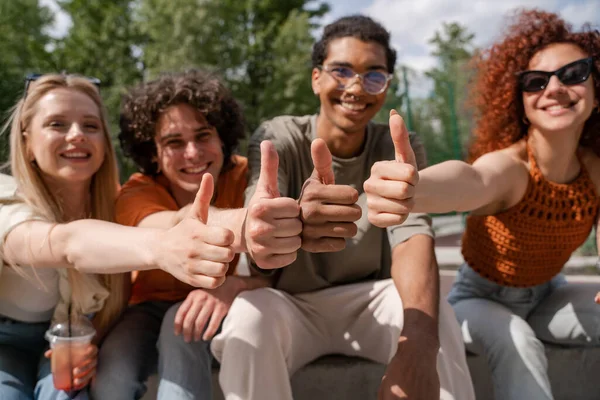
[68, 342]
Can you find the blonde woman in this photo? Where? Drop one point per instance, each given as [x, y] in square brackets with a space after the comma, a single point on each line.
[56, 235]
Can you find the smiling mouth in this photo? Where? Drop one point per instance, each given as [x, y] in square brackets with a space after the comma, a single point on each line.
[558, 107]
[76, 155]
[195, 170]
[351, 106]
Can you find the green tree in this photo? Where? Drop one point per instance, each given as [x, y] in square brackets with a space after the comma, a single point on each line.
[23, 49]
[102, 42]
[260, 47]
[450, 120]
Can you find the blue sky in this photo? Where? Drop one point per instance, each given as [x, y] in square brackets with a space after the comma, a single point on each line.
[413, 22]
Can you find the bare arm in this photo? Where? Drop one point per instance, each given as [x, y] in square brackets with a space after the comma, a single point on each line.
[91, 246]
[396, 188]
[415, 274]
[412, 372]
[458, 186]
[191, 251]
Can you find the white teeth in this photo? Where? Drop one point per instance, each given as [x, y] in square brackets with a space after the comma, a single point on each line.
[557, 107]
[353, 106]
[196, 170]
[75, 155]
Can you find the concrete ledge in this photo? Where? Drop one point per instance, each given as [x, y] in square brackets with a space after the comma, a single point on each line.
[329, 378]
[574, 372]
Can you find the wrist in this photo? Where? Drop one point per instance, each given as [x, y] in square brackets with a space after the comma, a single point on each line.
[421, 327]
[150, 252]
[237, 283]
[180, 215]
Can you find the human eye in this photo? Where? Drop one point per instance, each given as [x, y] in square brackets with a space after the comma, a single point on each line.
[92, 126]
[56, 124]
[342, 72]
[174, 143]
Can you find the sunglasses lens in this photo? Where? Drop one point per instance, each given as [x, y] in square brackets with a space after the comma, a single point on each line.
[575, 73]
[374, 82]
[533, 81]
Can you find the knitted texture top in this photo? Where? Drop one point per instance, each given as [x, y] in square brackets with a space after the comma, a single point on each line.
[529, 243]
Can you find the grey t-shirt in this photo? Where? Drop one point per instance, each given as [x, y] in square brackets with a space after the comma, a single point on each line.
[367, 256]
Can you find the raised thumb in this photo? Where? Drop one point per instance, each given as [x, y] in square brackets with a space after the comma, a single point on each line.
[269, 164]
[322, 162]
[203, 197]
[402, 148]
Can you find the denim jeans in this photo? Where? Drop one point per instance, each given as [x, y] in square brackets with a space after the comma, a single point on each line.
[24, 371]
[142, 342]
[509, 326]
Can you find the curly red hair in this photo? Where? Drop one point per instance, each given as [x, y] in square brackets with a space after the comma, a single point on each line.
[495, 92]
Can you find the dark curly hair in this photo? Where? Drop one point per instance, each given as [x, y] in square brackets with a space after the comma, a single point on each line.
[143, 105]
[495, 92]
[359, 27]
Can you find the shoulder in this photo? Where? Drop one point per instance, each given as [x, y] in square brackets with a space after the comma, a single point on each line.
[291, 136]
[284, 129]
[139, 181]
[513, 157]
[238, 171]
[141, 188]
[8, 187]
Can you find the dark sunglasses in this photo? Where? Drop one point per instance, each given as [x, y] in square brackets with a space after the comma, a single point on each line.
[34, 77]
[571, 74]
[373, 82]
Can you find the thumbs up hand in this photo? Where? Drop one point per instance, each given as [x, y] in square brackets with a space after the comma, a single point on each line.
[272, 226]
[391, 187]
[328, 211]
[192, 251]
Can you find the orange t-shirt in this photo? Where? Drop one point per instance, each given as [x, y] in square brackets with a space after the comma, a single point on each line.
[143, 195]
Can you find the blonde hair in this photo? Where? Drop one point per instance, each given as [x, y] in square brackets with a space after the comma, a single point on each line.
[33, 190]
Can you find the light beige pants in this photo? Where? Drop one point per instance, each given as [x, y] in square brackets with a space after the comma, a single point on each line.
[269, 334]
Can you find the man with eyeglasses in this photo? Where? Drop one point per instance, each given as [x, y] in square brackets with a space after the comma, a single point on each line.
[354, 289]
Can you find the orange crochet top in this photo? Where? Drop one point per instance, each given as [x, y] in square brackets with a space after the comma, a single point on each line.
[529, 243]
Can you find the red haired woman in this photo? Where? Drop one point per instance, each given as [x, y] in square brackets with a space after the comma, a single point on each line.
[532, 190]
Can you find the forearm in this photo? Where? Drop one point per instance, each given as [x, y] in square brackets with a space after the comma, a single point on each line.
[416, 276]
[449, 186]
[163, 219]
[232, 219]
[90, 246]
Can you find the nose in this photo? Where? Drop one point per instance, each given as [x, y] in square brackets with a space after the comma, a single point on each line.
[192, 151]
[75, 134]
[555, 86]
[355, 85]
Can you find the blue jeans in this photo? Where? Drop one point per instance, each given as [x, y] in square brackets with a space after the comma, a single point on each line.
[24, 371]
[509, 326]
[143, 340]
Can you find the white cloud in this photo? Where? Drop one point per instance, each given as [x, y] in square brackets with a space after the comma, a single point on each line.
[62, 22]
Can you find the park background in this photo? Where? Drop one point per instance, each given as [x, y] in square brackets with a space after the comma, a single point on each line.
[262, 49]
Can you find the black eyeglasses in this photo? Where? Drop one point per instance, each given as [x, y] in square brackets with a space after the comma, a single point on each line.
[571, 74]
[34, 77]
[373, 82]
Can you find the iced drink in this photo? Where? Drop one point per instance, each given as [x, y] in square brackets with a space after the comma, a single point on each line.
[68, 342]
